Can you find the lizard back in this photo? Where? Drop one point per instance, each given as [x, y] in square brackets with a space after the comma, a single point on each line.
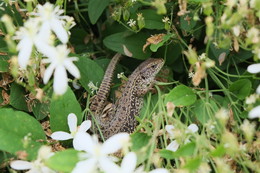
[131, 101]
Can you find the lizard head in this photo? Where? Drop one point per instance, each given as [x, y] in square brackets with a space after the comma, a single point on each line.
[146, 73]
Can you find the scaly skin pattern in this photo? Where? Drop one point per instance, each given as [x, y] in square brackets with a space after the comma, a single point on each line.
[122, 118]
[100, 100]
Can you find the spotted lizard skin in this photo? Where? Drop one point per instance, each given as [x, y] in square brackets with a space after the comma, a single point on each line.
[121, 118]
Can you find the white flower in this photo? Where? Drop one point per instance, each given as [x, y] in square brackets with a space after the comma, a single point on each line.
[202, 57]
[258, 89]
[131, 22]
[72, 122]
[97, 154]
[254, 113]
[51, 20]
[166, 20]
[92, 87]
[236, 30]
[254, 68]
[120, 75]
[128, 165]
[252, 99]
[253, 35]
[27, 36]
[191, 74]
[58, 57]
[174, 145]
[36, 166]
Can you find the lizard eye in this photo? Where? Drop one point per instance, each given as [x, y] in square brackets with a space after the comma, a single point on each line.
[153, 66]
[142, 77]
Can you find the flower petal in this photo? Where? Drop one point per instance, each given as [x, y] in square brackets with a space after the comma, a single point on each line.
[108, 166]
[21, 165]
[193, 128]
[129, 163]
[25, 50]
[48, 72]
[72, 122]
[173, 146]
[169, 129]
[60, 83]
[254, 68]
[83, 141]
[254, 113]
[61, 136]
[159, 170]
[85, 125]
[71, 68]
[114, 143]
[58, 29]
[258, 89]
[44, 32]
[86, 166]
[45, 48]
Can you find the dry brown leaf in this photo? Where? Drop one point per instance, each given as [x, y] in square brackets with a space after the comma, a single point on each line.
[154, 39]
[222, 58]
[199, 74]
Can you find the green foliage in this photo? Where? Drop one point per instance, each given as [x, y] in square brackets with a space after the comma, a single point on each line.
[203, 110]
[186, 150]
[20, 132]
[95, 9]
[181, 96]
[17, 97]
[64, 161]
[207, 47]
[139, 140]
[241, 88]
[126, 42]
[60, 108]
[90, 72]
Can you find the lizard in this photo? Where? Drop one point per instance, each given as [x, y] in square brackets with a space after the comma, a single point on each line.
[99, 101]
[122, 116]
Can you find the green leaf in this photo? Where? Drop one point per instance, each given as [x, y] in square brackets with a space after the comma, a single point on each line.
[154, 47]
[193, 164]
[60, 108]
[139, 140]
[122, 41]
[185, 150]
[198, 1]
[90, 71]
[14, 126]
[241, 88]
[219, 151]
[17, 97]
[186, 22]
[4, 66]
[167, 154]
[96, 8]
[63, 161]
[217, 51]
[40, 109]
[181, 96]
[152, 19]
[203, 110]
[1, 97]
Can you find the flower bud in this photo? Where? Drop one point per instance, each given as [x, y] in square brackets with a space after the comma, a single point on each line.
[140, 20]
[7, 20]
